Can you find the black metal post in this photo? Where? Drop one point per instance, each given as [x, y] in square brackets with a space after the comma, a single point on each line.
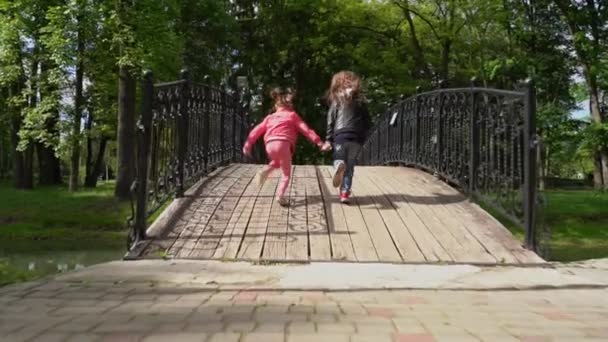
[182, 132]
[440, 120]
[234, 105]
[530, 142]
[206, 123]
[473, 139]
[222, 124]
[417, 126]
[401, 118]
[143, 149]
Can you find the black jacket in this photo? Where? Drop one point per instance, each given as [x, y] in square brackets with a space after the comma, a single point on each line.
[350, 118]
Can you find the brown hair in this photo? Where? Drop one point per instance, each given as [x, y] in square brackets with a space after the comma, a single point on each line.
[339, 83]
[282, 97]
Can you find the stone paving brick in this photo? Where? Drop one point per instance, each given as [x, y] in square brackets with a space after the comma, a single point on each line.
[245, 297]
[380, 312]
[352, 309]
[348, 328]
[240, 327]
[327, 308]
[225, 337]
[264, 337]
[319, 337]
[322, 318]
[83, 338]
[274, 309]
[205, 327]
[121, 337]
[10, 325]
[170, 327]
[375, 327]
[377, 337]
[176, 337]
[77, 325]
[270, 327]
[301, 308]
[22, 335]
[237, 309]
[414, 338]
[406, 326]
[301, 328]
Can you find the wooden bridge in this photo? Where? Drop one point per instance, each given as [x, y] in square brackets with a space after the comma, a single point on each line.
[479, 140]
[398, 215]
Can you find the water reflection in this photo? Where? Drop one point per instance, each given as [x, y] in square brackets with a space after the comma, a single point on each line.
[60, 261]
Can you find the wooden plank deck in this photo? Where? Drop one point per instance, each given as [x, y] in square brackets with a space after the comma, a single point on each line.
[397, 215]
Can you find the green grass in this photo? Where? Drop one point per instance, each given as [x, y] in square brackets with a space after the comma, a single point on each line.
[579, 224]
[10, 275]
[49, 222]
[57, 218]
[578, 220]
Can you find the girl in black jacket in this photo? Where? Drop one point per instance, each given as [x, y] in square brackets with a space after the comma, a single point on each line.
[348, 123]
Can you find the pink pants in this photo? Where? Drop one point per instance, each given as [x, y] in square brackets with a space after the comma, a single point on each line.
[279, 152]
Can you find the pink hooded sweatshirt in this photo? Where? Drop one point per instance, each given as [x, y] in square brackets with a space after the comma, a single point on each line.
[284, 124]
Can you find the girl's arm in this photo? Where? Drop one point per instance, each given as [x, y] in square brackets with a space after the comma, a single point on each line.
[254, 135]
[307, 131]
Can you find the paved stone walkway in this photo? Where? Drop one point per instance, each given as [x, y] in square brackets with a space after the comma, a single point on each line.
[58, 310]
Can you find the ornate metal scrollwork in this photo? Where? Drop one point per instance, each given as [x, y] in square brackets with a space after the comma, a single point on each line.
[479, 139]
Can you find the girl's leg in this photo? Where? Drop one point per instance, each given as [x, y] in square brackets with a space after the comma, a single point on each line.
[261, 177]
[280, 153]
[286, 169]
[347, 182]
[339, 164]
[352, 154]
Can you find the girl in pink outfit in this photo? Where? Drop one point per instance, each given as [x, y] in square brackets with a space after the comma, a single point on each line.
[280, 130]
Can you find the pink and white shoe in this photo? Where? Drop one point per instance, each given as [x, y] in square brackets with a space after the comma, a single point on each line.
[345, 197]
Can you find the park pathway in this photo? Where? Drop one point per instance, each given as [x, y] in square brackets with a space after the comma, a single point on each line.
[210, 301]
[398, 215]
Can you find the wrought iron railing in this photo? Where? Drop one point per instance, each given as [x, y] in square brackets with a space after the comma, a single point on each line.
[480, 139]
[185, 131]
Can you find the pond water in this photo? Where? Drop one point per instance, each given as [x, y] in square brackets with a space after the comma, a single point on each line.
[45, 263]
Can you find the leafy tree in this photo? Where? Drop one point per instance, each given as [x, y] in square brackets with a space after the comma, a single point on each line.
[586, 22]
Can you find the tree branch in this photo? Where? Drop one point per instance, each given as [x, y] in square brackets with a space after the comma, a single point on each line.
[406, 8]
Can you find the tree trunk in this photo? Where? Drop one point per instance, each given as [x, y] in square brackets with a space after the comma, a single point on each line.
[418, 54]
[19, 169]
[125, 172]
[600, 174]
[96, 168]
[445, 58]
[598, 177]
[49, 166]
[48, 163]
[78, 105]
[89, 162]
[586, 61]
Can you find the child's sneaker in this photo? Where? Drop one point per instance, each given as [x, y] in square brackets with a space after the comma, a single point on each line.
[339, 175]
[345, 197]
[261, 176]
[284, 202]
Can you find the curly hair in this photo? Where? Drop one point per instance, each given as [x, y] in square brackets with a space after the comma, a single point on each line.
[345, 87]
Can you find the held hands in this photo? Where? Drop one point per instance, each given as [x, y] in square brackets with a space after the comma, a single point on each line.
[247, 150]
[325, 147]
